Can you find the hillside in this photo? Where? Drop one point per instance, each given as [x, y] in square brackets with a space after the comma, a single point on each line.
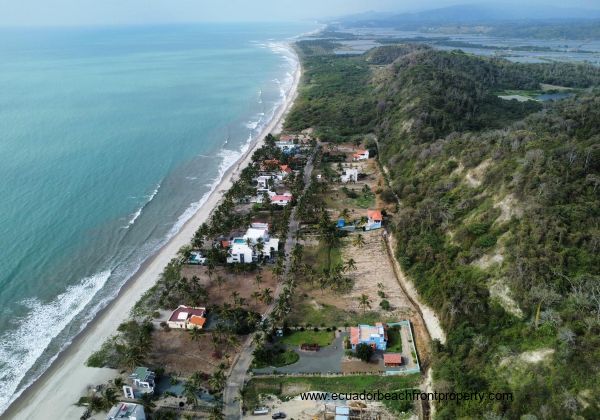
[521, 21]
[497, 220]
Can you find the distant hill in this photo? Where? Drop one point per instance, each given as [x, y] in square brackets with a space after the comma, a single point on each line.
[523, 21]
[471, 14]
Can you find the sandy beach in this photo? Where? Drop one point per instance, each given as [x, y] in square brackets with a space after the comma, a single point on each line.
[53, 395]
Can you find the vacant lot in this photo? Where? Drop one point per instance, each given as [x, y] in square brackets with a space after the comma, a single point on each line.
[178, 354]
[286, 387]
[297, 338]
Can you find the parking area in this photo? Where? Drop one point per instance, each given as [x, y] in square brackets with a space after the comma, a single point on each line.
[326, 360]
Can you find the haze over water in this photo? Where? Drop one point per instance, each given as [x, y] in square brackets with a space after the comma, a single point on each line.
[110, 139]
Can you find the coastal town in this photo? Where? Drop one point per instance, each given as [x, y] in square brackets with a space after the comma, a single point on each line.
[372, 212]
[292, 280]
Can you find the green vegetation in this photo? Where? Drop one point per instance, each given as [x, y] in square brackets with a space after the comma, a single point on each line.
[394, 344]
[129, 348]
[286, 388]
[297, 338]
[364, 352]
[477, 178]
[273, 356]
[333, 97]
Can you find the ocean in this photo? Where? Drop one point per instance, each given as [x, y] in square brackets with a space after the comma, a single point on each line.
[110, 139]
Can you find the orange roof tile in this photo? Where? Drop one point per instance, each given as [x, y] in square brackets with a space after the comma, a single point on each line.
[354, 335]
[374, 214]
[393, 358]
[197, 320]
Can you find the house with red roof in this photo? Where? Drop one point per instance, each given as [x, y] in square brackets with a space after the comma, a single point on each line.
[187, 318]
[361, 154]
[281, 200]
[374, 336]
[392, 359]
[374, 220]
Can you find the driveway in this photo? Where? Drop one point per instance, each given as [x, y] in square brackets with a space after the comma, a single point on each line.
[326, 360]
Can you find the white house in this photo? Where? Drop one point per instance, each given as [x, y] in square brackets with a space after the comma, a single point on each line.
[142, 382]
[286, 147]
[360, 155]
[263, 183]
[350, 175]
[255, 244]
[187, 318]
[126, 411]
[374, 220]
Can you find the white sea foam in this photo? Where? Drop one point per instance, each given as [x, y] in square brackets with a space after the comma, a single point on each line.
[138, 212]
[21, 348]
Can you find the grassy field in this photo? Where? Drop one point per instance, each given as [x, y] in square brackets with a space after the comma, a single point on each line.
[286, 388]
[304, 313]
[394, 340]
[297, 338]
[317, 256]
[281, 359]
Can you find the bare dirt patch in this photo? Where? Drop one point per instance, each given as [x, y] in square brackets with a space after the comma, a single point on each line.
[374, 273]
[175, 351]
[509, 208]
[474, 177]
[244, 284]
[501, 292]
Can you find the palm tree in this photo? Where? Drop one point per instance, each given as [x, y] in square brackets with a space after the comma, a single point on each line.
[235, 297]
[358, 241]
[328, 235]
[190, 392]
[195, 334]
[210, 268]
[216, 413]
[278, 269]
[147, 402]
[260, 246]
[133, 356]
[217, 340]
[217, 381]
[267, 296]
[258, 280]
[256, 296]
[231, 341]
[109, 397]
[119, 382]
[96, 403]
[350, 265]
[364, 302]
[220, 280]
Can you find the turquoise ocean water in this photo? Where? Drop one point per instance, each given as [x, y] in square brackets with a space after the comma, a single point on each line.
[110, 139]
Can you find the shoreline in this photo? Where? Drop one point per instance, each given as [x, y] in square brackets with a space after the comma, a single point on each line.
[55, 392]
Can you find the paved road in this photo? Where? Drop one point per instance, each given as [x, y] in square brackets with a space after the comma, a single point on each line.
[232, 407]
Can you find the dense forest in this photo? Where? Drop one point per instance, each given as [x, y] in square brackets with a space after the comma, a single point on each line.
[498, 213]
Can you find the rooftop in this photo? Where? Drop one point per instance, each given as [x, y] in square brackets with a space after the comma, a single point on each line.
[393, 358]
[282, 198]
[184, 312]
[142, 373]
[366, 332]
[126, 411]
[374, 214]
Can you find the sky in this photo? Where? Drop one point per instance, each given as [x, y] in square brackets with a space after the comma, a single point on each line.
[100, 12]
